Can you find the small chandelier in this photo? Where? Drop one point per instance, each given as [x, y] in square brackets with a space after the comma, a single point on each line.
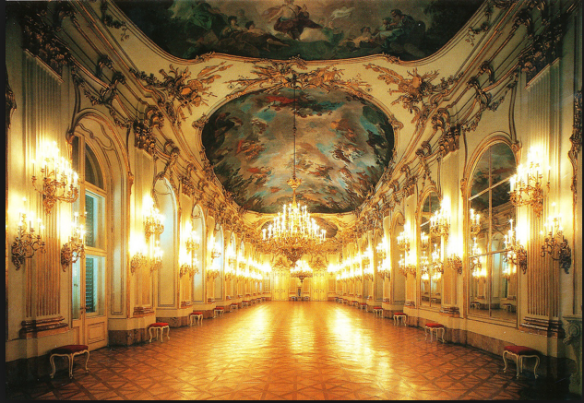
[75, 248]
[555, 244]
[293, 232]
[516, 253]
[301, 270]
[440, 222]
[383, 269]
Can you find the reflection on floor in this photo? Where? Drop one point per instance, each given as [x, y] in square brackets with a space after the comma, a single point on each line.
[291, 350]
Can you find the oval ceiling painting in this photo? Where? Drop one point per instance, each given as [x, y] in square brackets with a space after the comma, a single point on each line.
[343, 144]
[313, 30]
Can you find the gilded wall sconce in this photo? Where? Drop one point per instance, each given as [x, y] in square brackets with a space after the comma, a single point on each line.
[475, 224]
[368, 273]
[26, 242]
[212, 272]
[403, 242]
[455, 263]
[440, 223]
[153, 222]
[138, 260]
[384, 271]
[406, 268]
[75, 248]
[59, 181]
[526, 185]
[156, 260]
[516, 253]
[555, 244]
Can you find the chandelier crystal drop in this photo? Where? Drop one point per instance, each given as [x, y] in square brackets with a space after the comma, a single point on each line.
[293, 232]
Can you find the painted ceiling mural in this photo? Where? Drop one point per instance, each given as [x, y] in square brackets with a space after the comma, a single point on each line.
[343, 144]
[313, 30]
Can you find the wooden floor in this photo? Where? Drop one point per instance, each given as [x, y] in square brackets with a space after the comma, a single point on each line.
[290, 350]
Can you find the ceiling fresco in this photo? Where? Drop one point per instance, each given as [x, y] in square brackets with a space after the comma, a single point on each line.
[343, 144]
[313, 30]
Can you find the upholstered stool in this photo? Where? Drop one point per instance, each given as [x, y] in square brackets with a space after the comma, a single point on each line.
[198, 316]
[159, 327]
[378, 311]
[363, 305]
[434, 328]
[218, 310]
[518, 353]
[400, 317]
[233, 306]
[69, 351]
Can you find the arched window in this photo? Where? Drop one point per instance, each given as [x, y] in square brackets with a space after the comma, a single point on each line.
[492, 281]
[89, 273]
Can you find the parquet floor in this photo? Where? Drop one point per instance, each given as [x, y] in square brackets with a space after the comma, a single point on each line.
[290, 350]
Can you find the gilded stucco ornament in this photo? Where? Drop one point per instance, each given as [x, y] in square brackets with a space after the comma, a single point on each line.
[409, 185]
[10, 104]
[416, 90]
[109, 21]
[484, 27]
[278, 75]
[145, 139]
[449, 141]
[576, 140]
[177, 91]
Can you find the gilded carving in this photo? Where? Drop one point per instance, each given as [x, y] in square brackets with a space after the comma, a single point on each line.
[576, 140]
[145, 139]
[10, 103]
[176, 92]
[62, 9]
[410, 181]
[108, 21]
[484, 27]
[414, 90]
[449, 142]
[278, 75]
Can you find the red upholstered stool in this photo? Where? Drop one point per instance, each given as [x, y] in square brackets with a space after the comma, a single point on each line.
[363, 305]
[159, 327]
[198, 316]
[70, 352]
[378, 311]
[519, 353]
[434, 328]
[233, 306]
[218, 310]
[400, 317]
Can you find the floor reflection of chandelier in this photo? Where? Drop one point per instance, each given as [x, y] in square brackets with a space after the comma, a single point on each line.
[301, 270]
[293, 232]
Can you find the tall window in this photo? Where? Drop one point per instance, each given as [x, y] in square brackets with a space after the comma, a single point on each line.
[431, 280]
[493, 281]
[89, 273]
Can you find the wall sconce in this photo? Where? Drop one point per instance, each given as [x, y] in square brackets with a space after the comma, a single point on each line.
[437, 263]
[475, 224]
[381, 248]
[526, 185]
[59, 180]
[368, 273]
[75, 248]
[440, 222]
[455, 263]
[26, 242]
[156, 257]
[212, 272]
[424, 241]
[403, 241]
[384, 270]
[475, 261]
[192, 243]
[406, 268]
[555, 244]
[138, 260]
[214, 253]
[516, 253]
[153, 220]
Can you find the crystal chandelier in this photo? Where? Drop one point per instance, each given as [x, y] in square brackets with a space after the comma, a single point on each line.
[293, 232]
[301, 270]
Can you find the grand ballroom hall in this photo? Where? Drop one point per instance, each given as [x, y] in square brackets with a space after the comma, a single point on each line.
[293, 200]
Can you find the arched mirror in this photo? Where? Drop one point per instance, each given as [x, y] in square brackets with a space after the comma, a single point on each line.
[430, 278]
[492, 280]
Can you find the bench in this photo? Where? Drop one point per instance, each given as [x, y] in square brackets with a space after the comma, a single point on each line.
[519, 353]
[159, 327]
[69, 351]
[198, 316]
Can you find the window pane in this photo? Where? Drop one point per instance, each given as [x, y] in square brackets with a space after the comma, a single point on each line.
[95, 284]
[94, 222]
[480, 175]
[76, 289]
[502, 162]
[92, 171]
[503, 288]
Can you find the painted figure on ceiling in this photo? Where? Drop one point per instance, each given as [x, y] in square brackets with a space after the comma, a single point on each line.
[290, 19]
[401, 34]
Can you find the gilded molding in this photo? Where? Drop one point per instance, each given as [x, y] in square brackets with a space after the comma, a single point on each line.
[109, 22]
[10, 104]
[145, 139]
[484, 27]
[449, 141]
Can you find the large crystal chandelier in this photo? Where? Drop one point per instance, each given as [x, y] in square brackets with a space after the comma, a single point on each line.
[293, 232]
[301, 270]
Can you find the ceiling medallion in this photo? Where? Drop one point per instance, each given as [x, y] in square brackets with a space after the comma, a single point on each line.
[293, 232]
